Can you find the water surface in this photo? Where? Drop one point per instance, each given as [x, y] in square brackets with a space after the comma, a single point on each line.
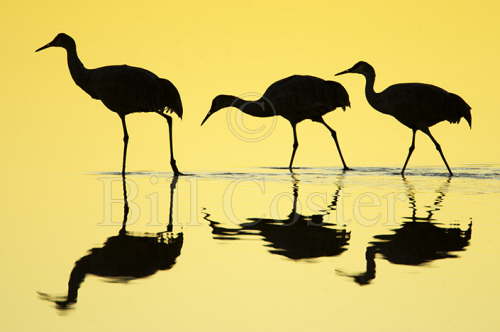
[257, 249]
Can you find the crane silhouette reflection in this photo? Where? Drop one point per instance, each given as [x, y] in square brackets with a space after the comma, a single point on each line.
[126, 256]
[418, 241]
[297, 236]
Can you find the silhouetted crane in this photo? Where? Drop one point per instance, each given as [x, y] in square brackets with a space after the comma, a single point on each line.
[416, 105]
[296, 98]
[124, 90]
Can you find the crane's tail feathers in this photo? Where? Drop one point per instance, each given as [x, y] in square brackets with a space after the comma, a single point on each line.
[171, 98]
[468, 117]
[458, 109]
[348, 105]
[337, 95]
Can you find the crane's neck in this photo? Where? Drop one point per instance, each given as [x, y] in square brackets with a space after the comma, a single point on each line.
[370, 93]
[78, 71]
[373, 97]
[259, 108]
[76, 279]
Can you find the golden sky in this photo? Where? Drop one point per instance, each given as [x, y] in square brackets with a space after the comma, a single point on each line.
[230, 47]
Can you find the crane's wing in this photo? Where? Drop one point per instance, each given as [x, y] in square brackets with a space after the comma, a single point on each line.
[306, 93]
[126, 89]
[422, 104]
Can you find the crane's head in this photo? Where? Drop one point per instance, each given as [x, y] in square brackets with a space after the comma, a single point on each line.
[61, 40]
[361, 67]
[219, 102]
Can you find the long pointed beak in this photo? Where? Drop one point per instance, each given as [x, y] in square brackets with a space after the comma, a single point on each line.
[206, 118]
[44, 47]
[343, 72]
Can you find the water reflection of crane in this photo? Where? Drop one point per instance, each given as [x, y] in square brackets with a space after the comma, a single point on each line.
[418, 241]
[125, 256]
[296, 237]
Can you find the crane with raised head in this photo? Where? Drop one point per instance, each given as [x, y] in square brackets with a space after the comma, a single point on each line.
[416, 105]
[123, 89]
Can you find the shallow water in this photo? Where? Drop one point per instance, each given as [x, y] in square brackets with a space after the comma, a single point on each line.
[257, 249]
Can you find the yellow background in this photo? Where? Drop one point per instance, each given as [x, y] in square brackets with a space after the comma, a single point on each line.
[52, 133]
[208, 48]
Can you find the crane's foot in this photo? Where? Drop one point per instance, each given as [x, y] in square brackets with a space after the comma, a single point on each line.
[347, 169]
[176, 171]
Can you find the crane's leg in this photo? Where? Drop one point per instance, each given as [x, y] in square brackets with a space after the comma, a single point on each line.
[173, 163]
[410, 151]
[334, 135]
[170, 225]
[126, 207]
[125, 143]
[295, 145]
[438, 147]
